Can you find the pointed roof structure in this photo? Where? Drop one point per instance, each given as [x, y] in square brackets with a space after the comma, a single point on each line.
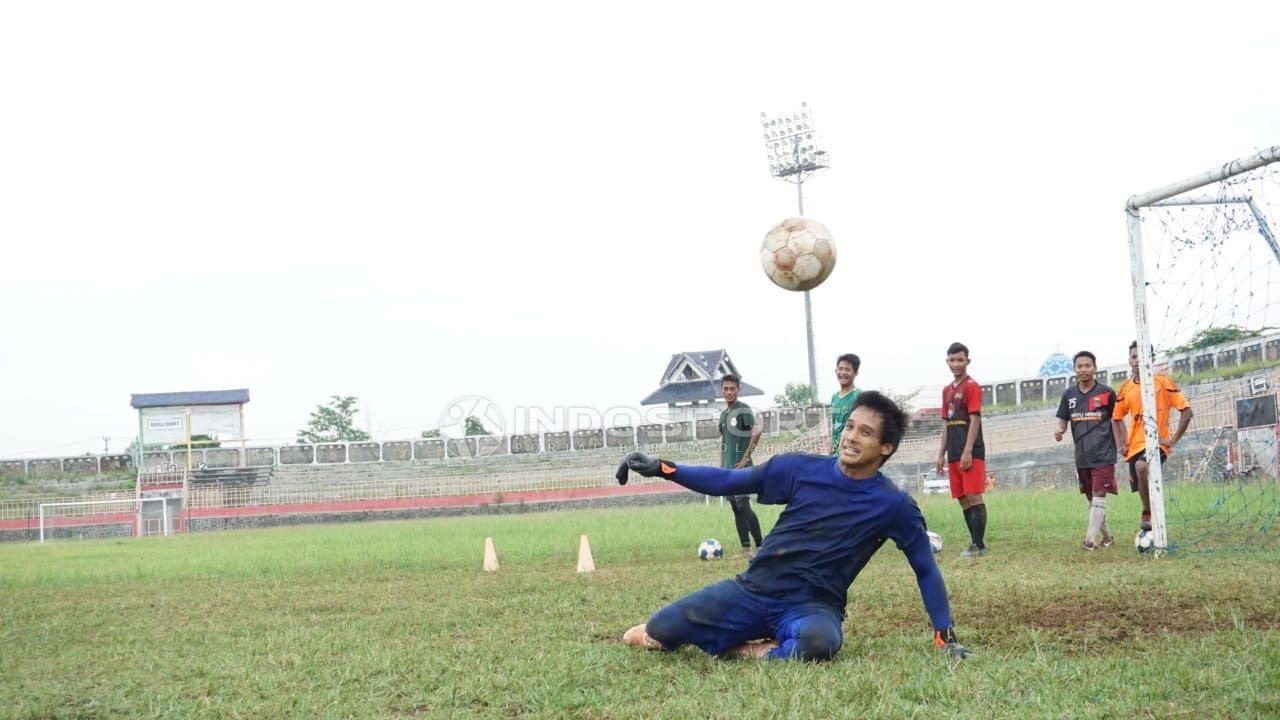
[695, 377]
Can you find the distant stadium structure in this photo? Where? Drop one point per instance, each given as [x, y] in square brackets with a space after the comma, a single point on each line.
[1229, 453]
[693, 378]
[174, 417]
[1055, 365]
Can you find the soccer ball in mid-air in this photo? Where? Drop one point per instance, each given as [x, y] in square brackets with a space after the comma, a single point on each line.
[798, 254]
[710, 549]
[1145, 541]
[935, 541]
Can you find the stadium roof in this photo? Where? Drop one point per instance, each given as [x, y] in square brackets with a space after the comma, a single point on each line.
[183, 399]
[1055, 365]
[695, 376]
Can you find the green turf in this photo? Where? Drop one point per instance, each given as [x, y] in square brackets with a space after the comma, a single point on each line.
[399, 620]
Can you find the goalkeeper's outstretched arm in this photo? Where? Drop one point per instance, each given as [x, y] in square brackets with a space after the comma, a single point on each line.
[933, 591]
[706, 480]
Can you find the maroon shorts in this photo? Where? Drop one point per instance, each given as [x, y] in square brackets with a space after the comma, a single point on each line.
[968, 482]
[1097, 481]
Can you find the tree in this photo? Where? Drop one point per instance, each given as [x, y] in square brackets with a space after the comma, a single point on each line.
[794, 395]
[1211, 336]
[198, 442]
[473, 426]
[332, 422]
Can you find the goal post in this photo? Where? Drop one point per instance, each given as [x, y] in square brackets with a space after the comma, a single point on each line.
[1209, 289]
[83, 514]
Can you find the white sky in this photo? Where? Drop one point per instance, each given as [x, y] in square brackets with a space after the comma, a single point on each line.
[538, 203]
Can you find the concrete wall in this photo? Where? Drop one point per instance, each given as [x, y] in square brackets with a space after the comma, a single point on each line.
[556, 442]
[75, 532]
[588, 439]
[400, 451]
[258, 521]
[698, 422]
[649, 435]
[1037, 469]
[624, 436]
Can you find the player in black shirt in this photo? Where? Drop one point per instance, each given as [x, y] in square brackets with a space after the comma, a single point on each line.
[1087, 407]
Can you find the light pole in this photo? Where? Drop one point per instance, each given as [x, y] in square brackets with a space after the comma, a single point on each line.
[794, 157]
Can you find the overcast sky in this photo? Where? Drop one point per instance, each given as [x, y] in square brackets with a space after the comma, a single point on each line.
[538, 203]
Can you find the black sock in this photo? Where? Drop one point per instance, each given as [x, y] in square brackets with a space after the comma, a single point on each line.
[979, 524]
[740, 510]
[968, 521]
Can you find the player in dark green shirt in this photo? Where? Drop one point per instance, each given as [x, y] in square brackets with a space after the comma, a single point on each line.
[739, 434]
[842, 400]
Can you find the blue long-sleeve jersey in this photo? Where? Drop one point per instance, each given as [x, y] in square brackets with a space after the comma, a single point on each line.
[830, 528]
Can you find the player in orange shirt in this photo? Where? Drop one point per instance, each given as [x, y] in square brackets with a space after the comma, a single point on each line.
[1129, 403]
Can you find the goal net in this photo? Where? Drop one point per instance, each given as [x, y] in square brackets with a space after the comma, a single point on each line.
[95, 519]
[1206, 288]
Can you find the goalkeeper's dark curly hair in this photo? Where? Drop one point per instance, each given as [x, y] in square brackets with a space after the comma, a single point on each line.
[893, 421]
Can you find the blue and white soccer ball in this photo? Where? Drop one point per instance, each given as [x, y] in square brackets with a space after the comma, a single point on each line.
[1145, 541]
[710, 549]
[935, 541]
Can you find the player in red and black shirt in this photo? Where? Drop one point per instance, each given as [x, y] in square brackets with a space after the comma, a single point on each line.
[962, 451]
[1088, 406]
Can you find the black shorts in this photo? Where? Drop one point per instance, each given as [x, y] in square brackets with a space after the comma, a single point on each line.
[1133, 467]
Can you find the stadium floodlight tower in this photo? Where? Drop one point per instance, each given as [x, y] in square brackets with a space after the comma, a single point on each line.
[794, 156]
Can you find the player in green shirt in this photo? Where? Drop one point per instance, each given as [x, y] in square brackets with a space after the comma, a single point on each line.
[842, 400]
[739, 434]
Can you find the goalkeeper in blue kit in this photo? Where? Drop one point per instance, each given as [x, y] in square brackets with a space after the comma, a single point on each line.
[839, 512]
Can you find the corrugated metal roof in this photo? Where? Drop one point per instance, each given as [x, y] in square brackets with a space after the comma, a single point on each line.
[182, 399]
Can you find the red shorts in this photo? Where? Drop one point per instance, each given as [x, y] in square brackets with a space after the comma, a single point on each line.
[968, 482]
[1097, 481]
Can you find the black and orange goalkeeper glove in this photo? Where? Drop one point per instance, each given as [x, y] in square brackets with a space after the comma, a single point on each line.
[644, 465]
[946, 640]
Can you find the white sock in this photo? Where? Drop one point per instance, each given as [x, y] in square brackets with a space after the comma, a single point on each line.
[1097, 516]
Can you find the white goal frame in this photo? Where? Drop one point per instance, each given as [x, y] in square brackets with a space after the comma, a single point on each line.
[1133, 209]
[137, 510]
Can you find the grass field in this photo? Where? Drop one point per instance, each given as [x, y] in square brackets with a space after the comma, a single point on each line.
[398, 620]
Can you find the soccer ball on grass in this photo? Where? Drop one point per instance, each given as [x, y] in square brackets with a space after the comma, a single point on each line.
[1145, 541]
[798, 254]
[710, 549]
[935, 541]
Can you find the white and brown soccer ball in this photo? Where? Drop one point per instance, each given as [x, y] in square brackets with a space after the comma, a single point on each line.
[798, 254]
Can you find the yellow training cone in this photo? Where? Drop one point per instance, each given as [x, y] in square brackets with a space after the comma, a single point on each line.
[585, 563]
[490, 557]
